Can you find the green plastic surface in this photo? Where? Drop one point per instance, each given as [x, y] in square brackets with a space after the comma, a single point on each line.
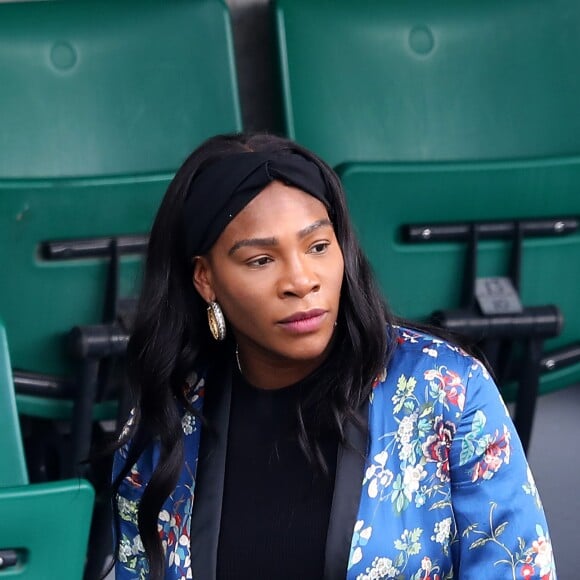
[48, 525]
[40, 301]
[13, 471]
[100, 88]
[418, 279]
[39, 521]
[100, 102]
[57, 409]
[415, 80]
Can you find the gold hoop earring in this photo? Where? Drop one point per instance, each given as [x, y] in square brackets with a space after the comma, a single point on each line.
[216, 320]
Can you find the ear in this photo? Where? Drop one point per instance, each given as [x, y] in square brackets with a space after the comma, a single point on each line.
[202, 278]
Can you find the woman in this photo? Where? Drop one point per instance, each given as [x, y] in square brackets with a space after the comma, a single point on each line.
[295, 431]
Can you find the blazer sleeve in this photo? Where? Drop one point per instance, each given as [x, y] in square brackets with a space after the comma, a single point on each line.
[501, 526]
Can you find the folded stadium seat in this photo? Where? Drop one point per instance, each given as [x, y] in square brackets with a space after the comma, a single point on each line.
[425, 260]
[100, 103]
[421, 81]
[27, 511]
[462, 121]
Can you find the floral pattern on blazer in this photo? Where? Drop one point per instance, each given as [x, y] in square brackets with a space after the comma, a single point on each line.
[446, 491]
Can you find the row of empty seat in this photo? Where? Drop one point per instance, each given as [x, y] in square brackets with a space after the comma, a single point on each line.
[100, 102]
[463, 115]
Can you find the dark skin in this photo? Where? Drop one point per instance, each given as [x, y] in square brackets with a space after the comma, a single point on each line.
[276, 271]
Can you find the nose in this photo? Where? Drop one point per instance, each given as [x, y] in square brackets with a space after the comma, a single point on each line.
[298, 278]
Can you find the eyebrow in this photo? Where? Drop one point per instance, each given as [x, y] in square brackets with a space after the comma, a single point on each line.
[270, 242]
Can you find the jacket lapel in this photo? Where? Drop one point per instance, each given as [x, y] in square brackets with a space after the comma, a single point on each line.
[346, 498]
[207, 505]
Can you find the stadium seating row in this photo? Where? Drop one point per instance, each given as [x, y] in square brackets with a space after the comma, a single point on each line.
[460, 114]
[455, 129]
[100, 102]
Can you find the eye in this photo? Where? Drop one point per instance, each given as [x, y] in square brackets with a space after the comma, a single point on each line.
[259, 262]
[319, 247]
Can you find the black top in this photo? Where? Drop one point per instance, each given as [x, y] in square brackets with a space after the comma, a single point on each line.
[276, 505]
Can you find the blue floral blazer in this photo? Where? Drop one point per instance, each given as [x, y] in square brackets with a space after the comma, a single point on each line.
[441, 490]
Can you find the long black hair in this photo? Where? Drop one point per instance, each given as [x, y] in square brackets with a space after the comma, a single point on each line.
[171, 337]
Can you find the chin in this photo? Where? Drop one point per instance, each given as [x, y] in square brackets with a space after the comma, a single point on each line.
[316, 349]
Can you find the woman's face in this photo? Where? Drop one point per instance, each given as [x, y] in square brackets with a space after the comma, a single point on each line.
[276, 271]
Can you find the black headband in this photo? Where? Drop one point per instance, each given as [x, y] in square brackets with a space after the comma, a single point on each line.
[226, 186]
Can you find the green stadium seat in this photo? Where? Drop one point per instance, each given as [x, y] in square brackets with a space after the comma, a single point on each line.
[101, 101]
[38, 520]
[418, 80]
[435, 114]
[419, 278]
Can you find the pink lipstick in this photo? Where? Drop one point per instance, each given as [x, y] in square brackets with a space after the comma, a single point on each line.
[304, 322]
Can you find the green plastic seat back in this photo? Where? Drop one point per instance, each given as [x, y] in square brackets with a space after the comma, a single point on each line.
[104, 88]
[418, 80]
[418, 279]
[13, 470]
[28, 512]
[48, 525]
[100, 103]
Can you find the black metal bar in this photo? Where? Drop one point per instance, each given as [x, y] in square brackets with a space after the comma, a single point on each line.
[8, 558]
[97, 341]
[561, 358]
[27, 383]
[528, 390]
[534, 321]
[470, 272]
[98, 551]
[82, 421]
[460, 232]
[112, 288]
[92, 247]
[492, 349]
[516, 257]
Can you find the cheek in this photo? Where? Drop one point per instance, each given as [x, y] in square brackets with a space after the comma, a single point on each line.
[337, 277]
[244, 302]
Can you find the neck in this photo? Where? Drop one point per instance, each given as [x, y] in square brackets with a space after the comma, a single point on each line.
[272, 373]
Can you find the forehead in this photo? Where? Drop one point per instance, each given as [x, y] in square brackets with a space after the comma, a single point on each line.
[277, 208]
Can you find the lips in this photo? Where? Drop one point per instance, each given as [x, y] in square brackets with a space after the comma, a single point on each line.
[304, 315]
[303, 322]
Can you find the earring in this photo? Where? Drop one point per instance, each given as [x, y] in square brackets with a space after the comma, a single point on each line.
[216, 320]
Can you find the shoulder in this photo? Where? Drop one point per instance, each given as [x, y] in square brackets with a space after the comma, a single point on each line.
[416, 351]
[431, 371]
[445, 467]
